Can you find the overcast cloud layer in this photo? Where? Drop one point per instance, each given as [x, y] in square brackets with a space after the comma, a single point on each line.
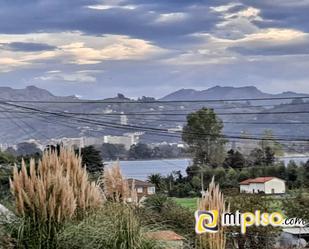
[96, 49]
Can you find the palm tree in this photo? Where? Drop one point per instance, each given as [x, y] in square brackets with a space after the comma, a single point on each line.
[156, 179]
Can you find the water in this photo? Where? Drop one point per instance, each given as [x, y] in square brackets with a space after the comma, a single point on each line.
[142, 169]
[296, 158]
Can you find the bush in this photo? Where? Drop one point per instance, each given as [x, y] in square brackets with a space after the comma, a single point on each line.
[158, 209]
[116, 226]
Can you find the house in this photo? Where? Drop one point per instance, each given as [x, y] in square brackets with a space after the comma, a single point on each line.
[143, 189]
[169, 238]
[267, 185]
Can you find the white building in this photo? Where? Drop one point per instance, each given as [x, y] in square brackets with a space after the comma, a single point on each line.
[123, 119]
[128, 139]
[267, 185]
[93, 141]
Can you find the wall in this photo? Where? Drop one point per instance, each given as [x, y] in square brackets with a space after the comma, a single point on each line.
[277, 184]
[256, 187]
[244, 188]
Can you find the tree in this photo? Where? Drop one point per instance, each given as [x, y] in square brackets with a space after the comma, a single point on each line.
[140, 151]
[203, 134]
[25, 148]
[113, 151]
[268, 140]
[234, 160]
[231, 178]
[257, 236]
[306, 176]
[292, 174]
[157, 180]
[297, 207]
[269, 156]
[262, 156]
[92, 159]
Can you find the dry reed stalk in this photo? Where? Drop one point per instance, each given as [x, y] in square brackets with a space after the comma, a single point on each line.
[213, 199]
[133, 193]
[116, 187]
[55, 190]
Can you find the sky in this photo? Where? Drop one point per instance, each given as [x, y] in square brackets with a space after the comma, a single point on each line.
[96, 49]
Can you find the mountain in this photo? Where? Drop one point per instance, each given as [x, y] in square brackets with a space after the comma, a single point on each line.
[19, 124]
[219, 92]
[28, 93]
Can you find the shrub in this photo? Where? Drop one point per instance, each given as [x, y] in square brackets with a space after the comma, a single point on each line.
[116, 226]
[159, 209]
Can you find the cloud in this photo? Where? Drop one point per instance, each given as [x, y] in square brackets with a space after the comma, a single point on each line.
[75, 48]
[74, 77]
[172, 17]
[114, 48]
[273, 42]
[108, 7]
[27, 46]
[118, 45]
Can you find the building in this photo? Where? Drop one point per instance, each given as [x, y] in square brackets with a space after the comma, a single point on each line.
[143, 189]
[267, 185]
[127, 139]
[123, 119]
[169, 238]
[93, 141]
[71, 142]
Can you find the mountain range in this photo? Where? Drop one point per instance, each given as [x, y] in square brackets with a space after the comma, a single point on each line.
[227, 92]
[100, 118]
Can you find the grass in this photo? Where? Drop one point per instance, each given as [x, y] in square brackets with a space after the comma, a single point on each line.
[190, 203]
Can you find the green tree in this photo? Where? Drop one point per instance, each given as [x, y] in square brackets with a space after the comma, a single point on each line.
[113, 151]
[234, 160]
[92, 159]
[203, 134]
[157, 180]
[140, 151]
[268, 140]
[262, 156]
[292, 174]
[231, 178]
[25, 148]
[257, 236]
[297, 207]
[306, 176]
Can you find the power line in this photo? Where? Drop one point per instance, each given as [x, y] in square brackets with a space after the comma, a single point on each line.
[130, 127]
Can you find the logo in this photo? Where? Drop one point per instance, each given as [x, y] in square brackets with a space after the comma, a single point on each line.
[208, 221]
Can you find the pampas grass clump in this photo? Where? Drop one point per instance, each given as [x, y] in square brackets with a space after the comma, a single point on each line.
[213, 199]
[116, 187]
[51, 193]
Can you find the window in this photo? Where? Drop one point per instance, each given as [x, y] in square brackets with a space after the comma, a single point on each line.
[151, 190]
[139, 190]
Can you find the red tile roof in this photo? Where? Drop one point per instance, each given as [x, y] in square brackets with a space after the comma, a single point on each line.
[257, 180]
